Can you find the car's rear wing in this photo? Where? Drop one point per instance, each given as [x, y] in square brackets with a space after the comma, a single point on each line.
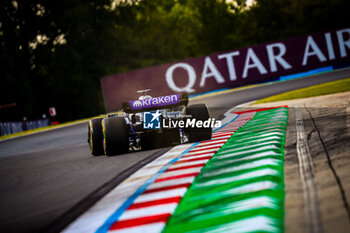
[155, 103]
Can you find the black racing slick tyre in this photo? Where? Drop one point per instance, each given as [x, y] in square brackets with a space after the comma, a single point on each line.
[149, 141]
[116, 137]
[198, 112]
[154, 140]
[95, 137]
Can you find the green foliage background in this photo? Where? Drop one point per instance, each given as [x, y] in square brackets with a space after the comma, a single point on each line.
[102, 40]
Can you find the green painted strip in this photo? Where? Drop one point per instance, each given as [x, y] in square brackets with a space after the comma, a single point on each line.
[241, 188]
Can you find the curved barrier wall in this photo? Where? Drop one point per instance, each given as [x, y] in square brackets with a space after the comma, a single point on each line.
[231, 68]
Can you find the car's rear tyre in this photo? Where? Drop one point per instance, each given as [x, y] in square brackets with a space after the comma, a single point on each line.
[198, 112]
[149, 141]
[170, 137]
[95, 137]
[116, 138]
[154, 140]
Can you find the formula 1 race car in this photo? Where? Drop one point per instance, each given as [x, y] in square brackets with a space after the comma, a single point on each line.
[149, 123]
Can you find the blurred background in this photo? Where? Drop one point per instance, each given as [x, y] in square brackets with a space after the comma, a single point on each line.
[53, 53]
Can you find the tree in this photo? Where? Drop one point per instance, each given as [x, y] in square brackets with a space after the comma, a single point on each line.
[53, 53]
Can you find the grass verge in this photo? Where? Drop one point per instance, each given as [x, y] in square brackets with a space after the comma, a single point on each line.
[223, 91]
[317, 90]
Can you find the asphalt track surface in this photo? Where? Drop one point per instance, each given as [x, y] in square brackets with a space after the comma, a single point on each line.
[48, 179]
